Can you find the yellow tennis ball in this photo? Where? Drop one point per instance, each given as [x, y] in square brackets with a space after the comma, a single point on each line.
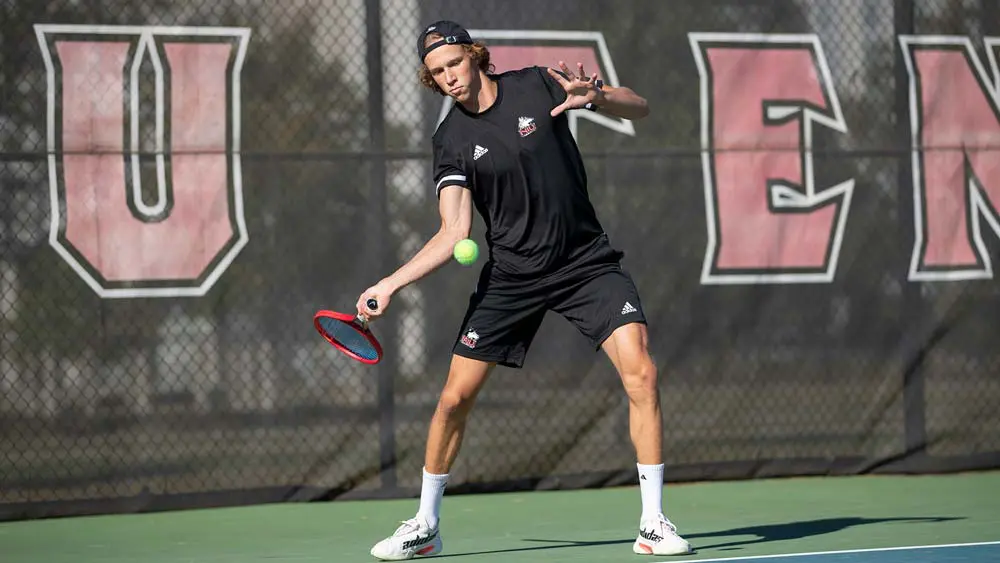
[466, 251]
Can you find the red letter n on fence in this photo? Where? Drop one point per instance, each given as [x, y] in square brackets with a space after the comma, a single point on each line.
[955, 125]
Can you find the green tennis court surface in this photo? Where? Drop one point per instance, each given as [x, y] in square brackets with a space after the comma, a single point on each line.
[859, 519]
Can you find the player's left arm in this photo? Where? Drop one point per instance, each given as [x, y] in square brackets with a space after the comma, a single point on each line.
[588, 92]
[620, 101]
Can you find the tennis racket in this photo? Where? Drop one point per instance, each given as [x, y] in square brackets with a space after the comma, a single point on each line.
[350, 334]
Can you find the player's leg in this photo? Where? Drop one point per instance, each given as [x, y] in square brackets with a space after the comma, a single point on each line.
[627, 348]
[444, 438]
[497, 329]
[447, 428]
[420, 535]
[608, 311]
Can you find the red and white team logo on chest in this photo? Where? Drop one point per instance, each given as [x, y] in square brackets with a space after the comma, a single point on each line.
[526, 126]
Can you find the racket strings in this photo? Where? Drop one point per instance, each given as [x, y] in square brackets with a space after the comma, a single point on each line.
[349, 337]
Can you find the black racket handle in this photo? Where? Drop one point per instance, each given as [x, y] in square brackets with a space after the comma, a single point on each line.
[372, 304]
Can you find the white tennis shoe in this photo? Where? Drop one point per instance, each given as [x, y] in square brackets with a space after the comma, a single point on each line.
[658, 536]
[413, 539]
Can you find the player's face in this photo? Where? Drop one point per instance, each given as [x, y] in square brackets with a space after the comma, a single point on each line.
[454, 71]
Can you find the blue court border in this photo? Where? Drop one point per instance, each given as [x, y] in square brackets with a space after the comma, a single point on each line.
[979, 552]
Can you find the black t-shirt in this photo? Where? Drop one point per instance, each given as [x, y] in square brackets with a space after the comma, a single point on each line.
[526, 175]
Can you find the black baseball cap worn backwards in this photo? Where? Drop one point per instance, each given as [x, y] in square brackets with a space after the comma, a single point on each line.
[452, 32]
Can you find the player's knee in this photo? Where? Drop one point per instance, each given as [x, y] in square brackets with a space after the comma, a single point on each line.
[641, 382]
[454, 404]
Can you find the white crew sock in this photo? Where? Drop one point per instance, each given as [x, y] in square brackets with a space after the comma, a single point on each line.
[651, 488]
[431, 491]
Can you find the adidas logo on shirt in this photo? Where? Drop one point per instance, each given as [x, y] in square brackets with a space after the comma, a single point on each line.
[628, 308]
[480, 151]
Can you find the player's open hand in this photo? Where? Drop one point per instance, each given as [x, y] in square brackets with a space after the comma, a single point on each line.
[580, 88]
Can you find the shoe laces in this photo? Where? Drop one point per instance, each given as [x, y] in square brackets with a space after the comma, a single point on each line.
[411, 525]
[665, 524]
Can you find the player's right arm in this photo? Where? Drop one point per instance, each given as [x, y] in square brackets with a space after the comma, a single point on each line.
[455, 208]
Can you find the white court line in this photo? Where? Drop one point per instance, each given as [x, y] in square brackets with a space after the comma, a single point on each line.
[815, 553]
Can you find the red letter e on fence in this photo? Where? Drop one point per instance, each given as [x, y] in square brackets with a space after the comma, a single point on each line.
[767, 221]
[955, 127]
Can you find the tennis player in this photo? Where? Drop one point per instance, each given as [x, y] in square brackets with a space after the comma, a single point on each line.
[506, 148]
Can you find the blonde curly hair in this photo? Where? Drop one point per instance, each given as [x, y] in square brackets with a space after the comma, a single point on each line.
[480, 55]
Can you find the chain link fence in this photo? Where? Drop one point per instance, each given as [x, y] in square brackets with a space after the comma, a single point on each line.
[182, 184]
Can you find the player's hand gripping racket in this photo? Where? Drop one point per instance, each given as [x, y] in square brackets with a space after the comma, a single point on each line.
[350, 334]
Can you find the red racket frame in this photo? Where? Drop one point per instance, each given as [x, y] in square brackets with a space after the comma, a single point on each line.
[352, 321]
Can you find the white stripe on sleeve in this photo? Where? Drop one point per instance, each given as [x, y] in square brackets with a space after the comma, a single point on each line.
[456, 177]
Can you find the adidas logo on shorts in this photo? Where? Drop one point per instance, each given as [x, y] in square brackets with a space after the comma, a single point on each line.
[628, 308]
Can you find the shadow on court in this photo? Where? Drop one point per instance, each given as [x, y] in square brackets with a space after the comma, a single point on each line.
[798, 530]
[764, 534]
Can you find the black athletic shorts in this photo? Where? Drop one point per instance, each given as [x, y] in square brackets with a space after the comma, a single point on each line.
[504, 315]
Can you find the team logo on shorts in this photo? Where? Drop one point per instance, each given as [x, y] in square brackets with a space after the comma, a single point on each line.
[526, 126]
[470, 338]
